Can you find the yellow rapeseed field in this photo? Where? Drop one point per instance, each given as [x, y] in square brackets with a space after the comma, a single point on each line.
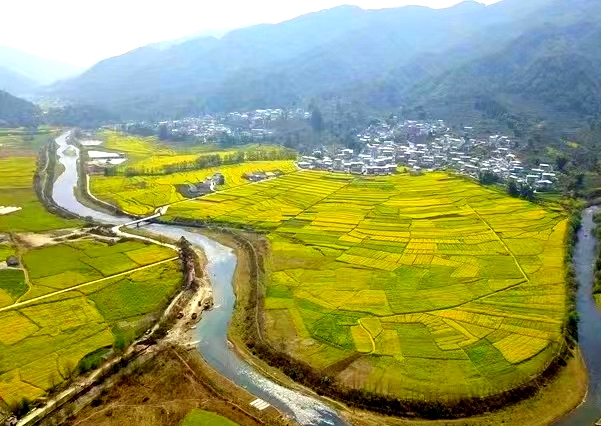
[444, 286]
[142, 194]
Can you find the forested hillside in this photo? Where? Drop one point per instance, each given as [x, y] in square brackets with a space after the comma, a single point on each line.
[510, 61]
[550, 72]
[16, 112]
[14, 82]
[334, 51]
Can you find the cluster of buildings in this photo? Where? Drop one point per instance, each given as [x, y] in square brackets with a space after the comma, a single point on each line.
[208, 185]
[427, 146]
[260, 175]
[254, 125]
[375, 160]
[261, 116]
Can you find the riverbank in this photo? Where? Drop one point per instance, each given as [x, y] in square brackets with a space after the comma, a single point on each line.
[211, 332]
[242, 319]
[176, 319]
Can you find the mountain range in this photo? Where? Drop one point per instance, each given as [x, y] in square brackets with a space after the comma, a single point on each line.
[22, 73]
[537, 57]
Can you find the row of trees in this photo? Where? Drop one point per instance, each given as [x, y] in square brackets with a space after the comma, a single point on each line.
[206, 161]
[513, 188]
[597, 289]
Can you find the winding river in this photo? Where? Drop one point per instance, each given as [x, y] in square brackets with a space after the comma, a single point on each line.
[212, 330]
[589, 327]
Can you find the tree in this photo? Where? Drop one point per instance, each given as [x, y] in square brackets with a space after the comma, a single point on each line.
[163, 132]
[487, 177]
[526, 192]
[89, 221]
[316, 120]
[572, 325]
[20, 408]
[123, 338]
[561, 162]
[512, 188]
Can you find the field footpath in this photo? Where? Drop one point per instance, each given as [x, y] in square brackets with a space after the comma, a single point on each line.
[19, 253]
[78, 286]
[371, 338]
[502, 242]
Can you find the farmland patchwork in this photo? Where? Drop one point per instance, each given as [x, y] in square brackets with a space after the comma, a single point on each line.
[443, 287]
[47, 331]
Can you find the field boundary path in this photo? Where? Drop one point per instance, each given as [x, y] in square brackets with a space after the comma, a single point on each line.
[371, 338]
[78, 286]
[501, 241]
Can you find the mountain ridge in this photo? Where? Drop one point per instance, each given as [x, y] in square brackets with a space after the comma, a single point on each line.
[22, 72]
[389, 57]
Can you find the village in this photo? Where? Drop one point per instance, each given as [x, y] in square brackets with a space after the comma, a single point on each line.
[250, 126]
[384, 146]
[427, 146]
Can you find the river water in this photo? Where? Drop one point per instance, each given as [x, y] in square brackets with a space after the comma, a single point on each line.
[589, 327]
[212, 330]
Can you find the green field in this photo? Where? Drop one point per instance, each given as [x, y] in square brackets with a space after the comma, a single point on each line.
[17, 167]
[142, 194]
[42, 341]
[6, 250]
[84, 261]
[205, 418]
[135, 147]
[23, 140]
[16, 189]
[12, 285]
[446, 288]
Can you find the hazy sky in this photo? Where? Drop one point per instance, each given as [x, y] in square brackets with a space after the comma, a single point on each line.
[83, 32]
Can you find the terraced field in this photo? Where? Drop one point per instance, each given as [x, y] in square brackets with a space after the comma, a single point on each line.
[414, 286]
[142, 194]
[76, 299]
